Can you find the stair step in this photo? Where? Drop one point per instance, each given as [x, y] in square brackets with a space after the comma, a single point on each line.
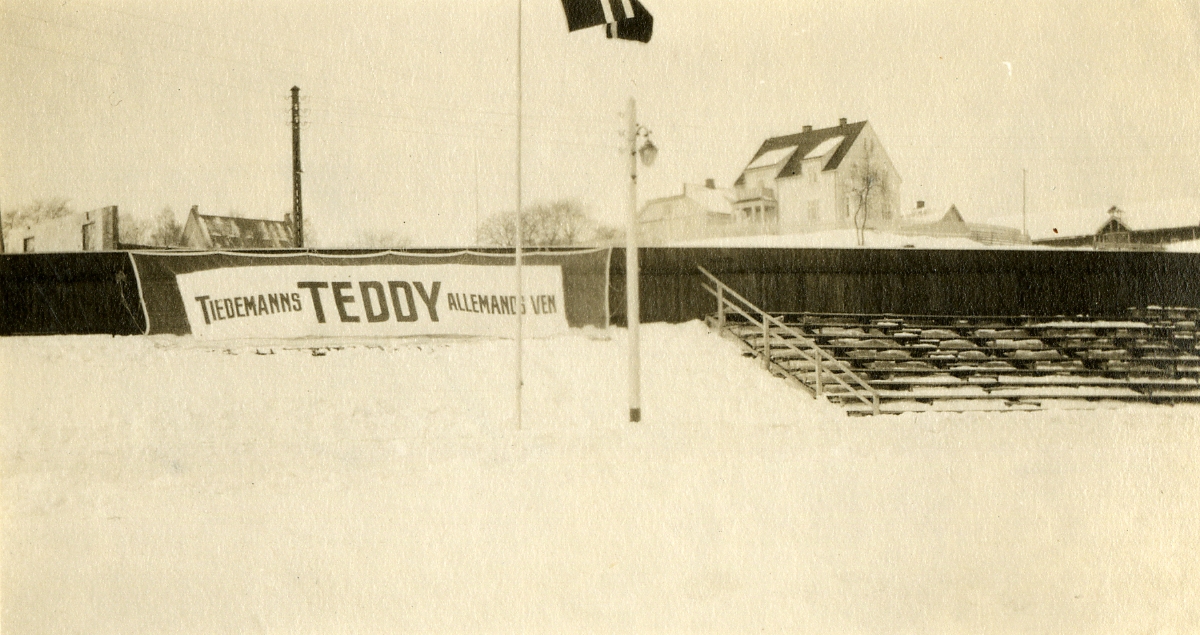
[989, 363]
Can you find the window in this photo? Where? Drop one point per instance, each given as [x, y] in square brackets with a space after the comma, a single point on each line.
[89, 237]
[27, 246]
[812, 176]
[814, 210]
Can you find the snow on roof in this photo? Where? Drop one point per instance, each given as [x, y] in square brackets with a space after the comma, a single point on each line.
[1187, 246]
[231, 231]
[805, 142]
[1085, 221]
[931, 215]
[825, 147]
[839, 238]
[711, 199]
[772, 157]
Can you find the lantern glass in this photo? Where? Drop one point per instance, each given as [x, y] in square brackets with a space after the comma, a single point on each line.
[649, 152]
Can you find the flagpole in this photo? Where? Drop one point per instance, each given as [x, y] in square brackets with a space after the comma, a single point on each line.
[517, 251]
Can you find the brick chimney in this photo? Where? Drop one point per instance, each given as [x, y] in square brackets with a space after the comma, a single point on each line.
[842, 121]
[710, 184]
[808, 128]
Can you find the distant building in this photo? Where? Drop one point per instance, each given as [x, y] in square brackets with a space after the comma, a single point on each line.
[1117, 232]
[699, 211]
[95, 230]
[203, 231]
[804, 181]
[923, 221]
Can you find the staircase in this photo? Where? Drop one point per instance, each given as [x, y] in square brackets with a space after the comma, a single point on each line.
[874, 364]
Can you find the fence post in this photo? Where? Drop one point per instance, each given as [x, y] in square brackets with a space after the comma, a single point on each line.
[720, 306]
[818, 366]
[766, 342]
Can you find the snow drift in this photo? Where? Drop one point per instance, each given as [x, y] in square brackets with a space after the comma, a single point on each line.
[167, 485]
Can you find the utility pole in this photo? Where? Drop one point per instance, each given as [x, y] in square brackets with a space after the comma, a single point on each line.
[632, 301]
[297, 205]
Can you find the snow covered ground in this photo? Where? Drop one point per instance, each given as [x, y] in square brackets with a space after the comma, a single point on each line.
[164, 485]
[846, 238]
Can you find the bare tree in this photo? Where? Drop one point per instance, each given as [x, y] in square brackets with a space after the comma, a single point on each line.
[561, 223]
[132, 230]
[870, 190]
[382, 239]
[34, 213]
[608, 235]
[166, 231]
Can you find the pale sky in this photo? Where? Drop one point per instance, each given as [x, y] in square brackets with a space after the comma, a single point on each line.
[409, 108]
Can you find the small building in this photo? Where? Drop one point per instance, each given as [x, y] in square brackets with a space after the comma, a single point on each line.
[699, 211]
[204, 231]
[1118, 232]
[923, 221]
[95, 230]
[806, 181]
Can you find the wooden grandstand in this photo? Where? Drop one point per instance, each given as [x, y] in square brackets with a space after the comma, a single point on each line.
[884, 363]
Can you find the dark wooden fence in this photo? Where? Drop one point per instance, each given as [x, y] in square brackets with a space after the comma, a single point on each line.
[96, 292]
[69, 293]
[911, 281]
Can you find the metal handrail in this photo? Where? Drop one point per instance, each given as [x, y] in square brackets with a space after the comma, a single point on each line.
[768, 320]
[766, 347]
[819, 368]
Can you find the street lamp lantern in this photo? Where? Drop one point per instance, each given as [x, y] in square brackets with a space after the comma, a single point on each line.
[649, 151]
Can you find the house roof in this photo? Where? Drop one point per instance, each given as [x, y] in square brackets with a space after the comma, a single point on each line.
[230, 231]
[713, 200]
[707, 199]
[1086, 221]
[805, 143]
[930, 216]
[1114, 223]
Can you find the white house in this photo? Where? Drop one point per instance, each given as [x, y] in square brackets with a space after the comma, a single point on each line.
[94, 230]
[925, 221]
[809, 181]
[699, 211]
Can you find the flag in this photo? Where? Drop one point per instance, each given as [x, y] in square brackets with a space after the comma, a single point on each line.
[639, 27]
[625, 19]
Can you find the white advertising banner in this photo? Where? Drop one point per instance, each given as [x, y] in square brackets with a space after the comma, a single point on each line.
[371, 300]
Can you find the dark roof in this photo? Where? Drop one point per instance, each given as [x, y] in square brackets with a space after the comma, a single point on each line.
[805, 142]
[953, 215]
[1114, 224]
[230, 231]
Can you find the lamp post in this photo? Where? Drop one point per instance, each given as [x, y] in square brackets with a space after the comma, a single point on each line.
[648, 153]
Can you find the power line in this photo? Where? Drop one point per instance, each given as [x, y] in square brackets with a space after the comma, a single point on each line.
[373, 69]
[584, 119]
[109, 34]
[436, 133]
[454, 122]
[221, 34]
[141, 69]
